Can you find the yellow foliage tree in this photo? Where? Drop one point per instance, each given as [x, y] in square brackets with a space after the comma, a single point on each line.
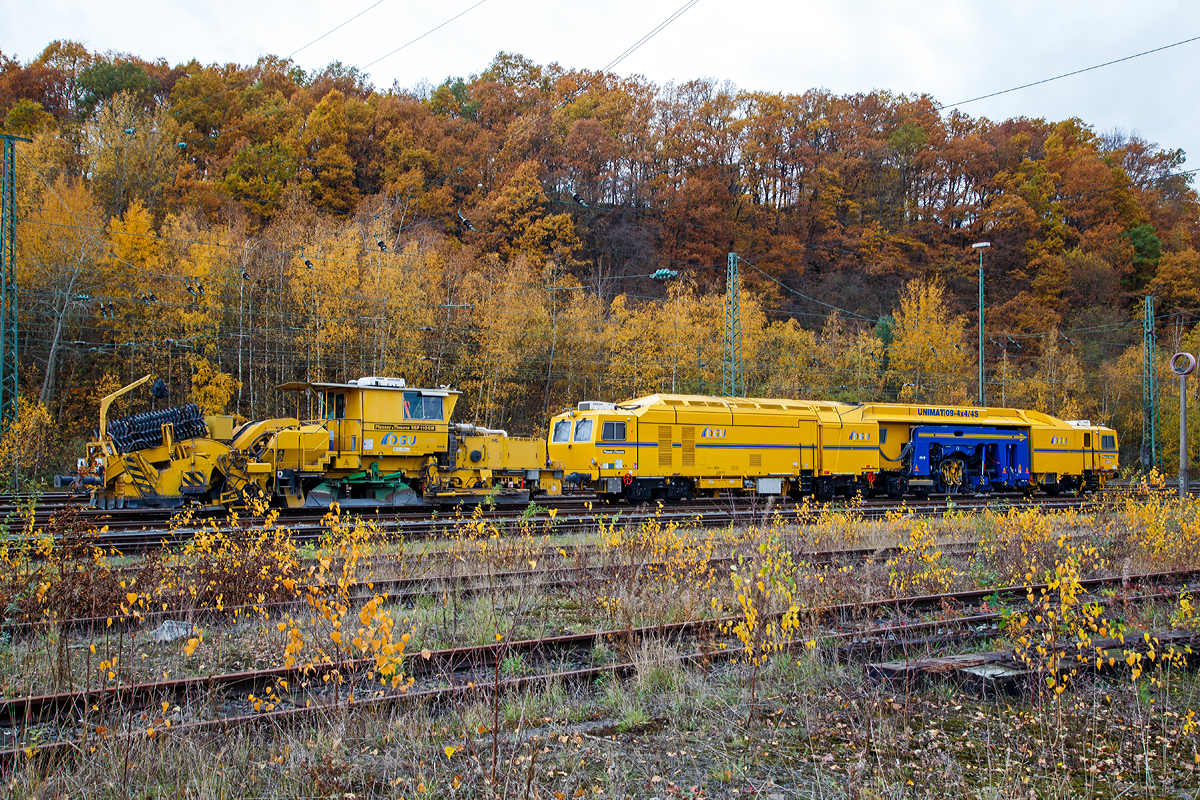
[132, 153]
[59, 245]
[923, 359]
[211, 388]
[519, 218]
[29, 445]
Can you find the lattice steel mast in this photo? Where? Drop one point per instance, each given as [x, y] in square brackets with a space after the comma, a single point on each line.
[733, 378]
[8, 282]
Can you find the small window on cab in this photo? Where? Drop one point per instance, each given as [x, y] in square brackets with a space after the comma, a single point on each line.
[583, 430]
[335, 405]
[1108, 442]
[562, 431]
[883, 435]
[613, 432]
[1087, 440]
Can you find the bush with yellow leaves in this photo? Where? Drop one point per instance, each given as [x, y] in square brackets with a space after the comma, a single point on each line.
[1163, 530]
[1018, 544]
[30, 447]
[1055, 637]
[247, 561]
[765, 586]
[327, 637]
[920, 567]
[658, 570]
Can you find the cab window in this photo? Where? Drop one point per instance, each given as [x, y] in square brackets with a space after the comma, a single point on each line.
[1087, 440]
[562, 431]
[1108, 442]
[583, 430]
[414, 408]
[433, 408]
[335, 405]
[613, 432]
[883, 435]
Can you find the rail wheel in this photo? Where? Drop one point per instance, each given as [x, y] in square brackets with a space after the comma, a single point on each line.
[823, 489]
[638, 492]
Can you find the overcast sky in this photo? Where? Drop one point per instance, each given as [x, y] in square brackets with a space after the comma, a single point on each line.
[951, 50]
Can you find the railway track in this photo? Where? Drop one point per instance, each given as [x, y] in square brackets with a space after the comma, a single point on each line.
[563, 572]
[57, 725]
[137, 529]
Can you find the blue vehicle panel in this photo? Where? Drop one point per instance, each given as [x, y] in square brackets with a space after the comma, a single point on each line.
[969, 458]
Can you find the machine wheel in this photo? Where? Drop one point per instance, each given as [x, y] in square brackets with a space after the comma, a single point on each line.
[638, 492]
[823, 489]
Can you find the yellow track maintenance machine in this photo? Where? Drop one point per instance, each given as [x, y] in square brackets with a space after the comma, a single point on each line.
[376, 443]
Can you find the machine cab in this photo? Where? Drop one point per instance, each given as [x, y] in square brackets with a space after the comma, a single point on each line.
[587, 439]
[375, 420]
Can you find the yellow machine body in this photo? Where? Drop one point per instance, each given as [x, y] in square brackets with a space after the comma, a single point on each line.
[1051, 454]
[377, 442]
[678, 446]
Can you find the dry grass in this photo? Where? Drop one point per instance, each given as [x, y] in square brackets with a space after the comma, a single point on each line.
[789, 721]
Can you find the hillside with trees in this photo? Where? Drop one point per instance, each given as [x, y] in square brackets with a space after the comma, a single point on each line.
[233, 227]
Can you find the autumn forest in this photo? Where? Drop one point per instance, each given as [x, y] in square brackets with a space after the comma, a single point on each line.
[234, 227]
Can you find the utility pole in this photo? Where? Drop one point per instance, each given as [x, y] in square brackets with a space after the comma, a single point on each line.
[981, 246]
[8, 282]
[1150, 454]
[1183, 364]
[733, 379]
[665, 274]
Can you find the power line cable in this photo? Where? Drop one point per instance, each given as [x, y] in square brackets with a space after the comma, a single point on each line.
[289, 56]
[315, 89]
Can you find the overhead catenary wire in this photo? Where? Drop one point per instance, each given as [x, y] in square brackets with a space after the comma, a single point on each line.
[289, 56]
[316, 89]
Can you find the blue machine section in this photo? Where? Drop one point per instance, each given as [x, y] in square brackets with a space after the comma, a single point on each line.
[970, 458]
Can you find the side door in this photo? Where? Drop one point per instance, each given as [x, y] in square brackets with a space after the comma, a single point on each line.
[806, 449]
[617, 442]
[335, 418]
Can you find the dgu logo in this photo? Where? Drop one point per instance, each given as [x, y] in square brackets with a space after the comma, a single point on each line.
[1058, 440]
[392, 438]
[859, 436]
[712, 433]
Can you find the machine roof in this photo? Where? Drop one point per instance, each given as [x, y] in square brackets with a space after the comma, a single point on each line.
[299, 386]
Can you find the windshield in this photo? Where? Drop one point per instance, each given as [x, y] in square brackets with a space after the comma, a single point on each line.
[583, 430]
[562, 431]
[417, 406]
